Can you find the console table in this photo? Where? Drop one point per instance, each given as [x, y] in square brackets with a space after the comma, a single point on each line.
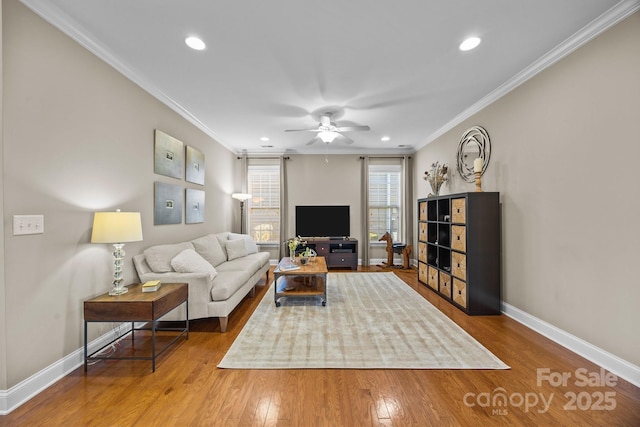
[137, 306]
[338, 253]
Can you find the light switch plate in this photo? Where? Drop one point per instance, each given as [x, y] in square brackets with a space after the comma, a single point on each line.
[28, 224]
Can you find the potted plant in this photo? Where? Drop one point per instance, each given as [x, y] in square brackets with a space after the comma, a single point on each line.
[306, 255]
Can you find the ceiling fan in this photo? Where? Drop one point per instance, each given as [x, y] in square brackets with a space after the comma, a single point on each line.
[328, 131]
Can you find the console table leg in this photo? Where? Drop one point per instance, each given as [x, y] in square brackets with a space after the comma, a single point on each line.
[187, 325]
[85, 346]
[153, 346]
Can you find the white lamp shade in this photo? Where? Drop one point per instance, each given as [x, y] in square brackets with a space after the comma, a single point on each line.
[116, 227]
[241, 196]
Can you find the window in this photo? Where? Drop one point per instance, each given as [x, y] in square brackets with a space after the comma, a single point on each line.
[263, 178]
[385, 196]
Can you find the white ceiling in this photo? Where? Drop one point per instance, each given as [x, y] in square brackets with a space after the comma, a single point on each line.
[276, 65]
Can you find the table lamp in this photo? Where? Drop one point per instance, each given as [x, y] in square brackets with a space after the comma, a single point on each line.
[242, 197]
[117, 228]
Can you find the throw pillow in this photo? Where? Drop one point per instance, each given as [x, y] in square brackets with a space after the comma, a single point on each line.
[222, 238]
[249, 243]
[188, 261]
[159, 257]
[209, 248]
[236, 249]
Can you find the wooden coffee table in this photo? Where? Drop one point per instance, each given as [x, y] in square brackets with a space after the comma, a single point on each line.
[309, 280]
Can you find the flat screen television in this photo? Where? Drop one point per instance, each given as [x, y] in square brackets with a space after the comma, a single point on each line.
[322, 221]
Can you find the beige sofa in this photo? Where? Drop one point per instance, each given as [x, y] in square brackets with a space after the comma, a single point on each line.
[221, 269]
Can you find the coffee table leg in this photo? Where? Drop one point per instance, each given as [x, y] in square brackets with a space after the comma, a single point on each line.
[324, 280]
[275, 289]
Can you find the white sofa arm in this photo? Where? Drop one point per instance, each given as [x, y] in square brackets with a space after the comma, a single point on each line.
[200, 286]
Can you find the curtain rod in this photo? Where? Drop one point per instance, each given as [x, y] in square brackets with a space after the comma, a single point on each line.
[262, 158]
[384, 157]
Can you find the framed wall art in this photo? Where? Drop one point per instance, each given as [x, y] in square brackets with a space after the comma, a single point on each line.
[167, 204]
[168, 155]
[195, 166]
[194, 206]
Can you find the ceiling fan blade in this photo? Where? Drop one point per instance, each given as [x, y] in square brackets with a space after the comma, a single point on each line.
[301, 130]
[314, 140]
[344, 139]
[352, 128]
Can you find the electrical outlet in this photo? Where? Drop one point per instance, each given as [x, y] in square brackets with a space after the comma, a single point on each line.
[28, 224]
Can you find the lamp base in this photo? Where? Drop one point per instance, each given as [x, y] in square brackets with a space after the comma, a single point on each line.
[118, 285]
[118, 291]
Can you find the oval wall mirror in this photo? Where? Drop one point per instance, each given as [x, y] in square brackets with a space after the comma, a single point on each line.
[473, 144]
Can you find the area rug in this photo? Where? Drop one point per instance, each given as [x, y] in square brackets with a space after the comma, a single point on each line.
[371, 321]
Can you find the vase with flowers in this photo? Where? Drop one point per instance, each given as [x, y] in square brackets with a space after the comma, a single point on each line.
[436, 176]
[293, 243]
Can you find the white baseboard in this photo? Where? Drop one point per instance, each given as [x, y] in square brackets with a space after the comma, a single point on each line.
[30, 387]
[620, 367]
[38, 382]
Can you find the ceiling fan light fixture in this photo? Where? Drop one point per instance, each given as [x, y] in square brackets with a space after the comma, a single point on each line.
[470, 43]
[327, 136]
[195, 43]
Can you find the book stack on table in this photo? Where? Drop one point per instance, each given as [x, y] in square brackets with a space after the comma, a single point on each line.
[151, 286]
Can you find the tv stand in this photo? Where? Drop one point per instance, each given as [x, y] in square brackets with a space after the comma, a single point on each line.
[339, 252]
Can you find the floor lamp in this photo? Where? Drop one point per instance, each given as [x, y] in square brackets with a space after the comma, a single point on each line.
[242, 197]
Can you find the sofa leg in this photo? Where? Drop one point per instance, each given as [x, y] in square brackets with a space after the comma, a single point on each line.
[223, 323]
[252, 292]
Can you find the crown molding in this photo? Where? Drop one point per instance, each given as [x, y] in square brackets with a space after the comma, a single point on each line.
[54, 16]
[605, 21]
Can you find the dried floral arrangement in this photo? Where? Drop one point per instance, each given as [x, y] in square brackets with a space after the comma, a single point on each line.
[436, 177]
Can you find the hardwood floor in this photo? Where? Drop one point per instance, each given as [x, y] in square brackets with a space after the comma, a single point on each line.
[188, 390]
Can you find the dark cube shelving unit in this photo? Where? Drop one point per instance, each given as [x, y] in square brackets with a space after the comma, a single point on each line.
[459, 249]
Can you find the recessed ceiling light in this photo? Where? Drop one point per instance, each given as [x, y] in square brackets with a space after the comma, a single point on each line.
[266, 146]
[264, 138]
[195, 43]
[385, 138]
[470, 43]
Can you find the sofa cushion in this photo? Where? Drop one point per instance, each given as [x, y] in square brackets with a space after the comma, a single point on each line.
[227, 283]
[236, 249]
[159, 257]
[189, 261]
[249, 243]
[250, 263]
[209, 248]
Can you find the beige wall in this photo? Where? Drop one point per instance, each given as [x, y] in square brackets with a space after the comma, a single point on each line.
[329, 180]
[78, 138]
[314, 181]
[565, 147]
[3, 323]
